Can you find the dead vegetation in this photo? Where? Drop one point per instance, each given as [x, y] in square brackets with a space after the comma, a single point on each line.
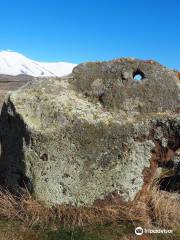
[30, 212]
[157, 209]
[165, 209]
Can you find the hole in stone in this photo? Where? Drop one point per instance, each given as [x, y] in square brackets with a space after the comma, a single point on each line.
[138, 75]
[44, 157]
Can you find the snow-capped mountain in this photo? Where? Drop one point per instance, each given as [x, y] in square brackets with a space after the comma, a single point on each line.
[13, 63]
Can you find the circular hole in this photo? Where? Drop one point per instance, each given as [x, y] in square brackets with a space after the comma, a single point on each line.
[44, 157]
[138, 75]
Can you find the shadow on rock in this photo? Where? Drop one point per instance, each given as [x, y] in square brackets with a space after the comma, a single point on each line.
[14, 136]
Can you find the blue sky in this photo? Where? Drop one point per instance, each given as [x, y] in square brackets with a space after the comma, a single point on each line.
[89, 30]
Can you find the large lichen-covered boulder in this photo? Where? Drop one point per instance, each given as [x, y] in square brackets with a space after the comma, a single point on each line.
[93, 134]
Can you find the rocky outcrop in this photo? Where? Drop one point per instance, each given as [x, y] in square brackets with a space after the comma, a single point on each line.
[96, 133]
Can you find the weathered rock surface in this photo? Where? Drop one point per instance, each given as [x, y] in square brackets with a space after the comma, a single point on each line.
[95, 133]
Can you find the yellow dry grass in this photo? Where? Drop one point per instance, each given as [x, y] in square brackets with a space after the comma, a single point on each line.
[165, 209]
[155, 209]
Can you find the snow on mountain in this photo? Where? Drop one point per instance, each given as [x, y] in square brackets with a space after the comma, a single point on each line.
[13, 63]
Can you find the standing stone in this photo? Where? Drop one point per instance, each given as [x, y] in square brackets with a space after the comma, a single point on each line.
[93, 134]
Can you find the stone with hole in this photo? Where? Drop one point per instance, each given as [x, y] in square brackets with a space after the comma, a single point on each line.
[95, 134]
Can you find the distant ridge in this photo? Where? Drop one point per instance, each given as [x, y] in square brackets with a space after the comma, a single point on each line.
[11, 78]
[13, 63]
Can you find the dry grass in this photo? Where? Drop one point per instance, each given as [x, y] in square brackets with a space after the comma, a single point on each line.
[30, 212]
[155, 209]
[165, 209]
[23, 208]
